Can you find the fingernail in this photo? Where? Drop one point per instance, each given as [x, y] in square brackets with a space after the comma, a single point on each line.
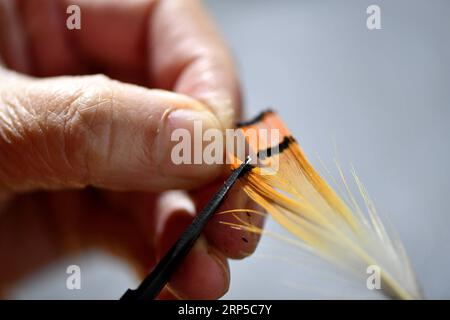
[180, 143]
[177, 295]
[202, 275]
[219, 258]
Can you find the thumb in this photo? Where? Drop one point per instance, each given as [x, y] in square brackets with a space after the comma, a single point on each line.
[77, 131]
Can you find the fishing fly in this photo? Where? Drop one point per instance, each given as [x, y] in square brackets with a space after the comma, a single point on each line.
[290, 190]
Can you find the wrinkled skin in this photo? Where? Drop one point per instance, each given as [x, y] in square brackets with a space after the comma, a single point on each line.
[84, 158]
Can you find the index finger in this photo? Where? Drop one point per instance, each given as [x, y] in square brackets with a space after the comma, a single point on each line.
[187, 55]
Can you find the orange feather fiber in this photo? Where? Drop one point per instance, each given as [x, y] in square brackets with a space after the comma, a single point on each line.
[349, 237]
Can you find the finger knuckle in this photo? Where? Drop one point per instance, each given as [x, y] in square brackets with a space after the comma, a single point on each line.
[88, 129]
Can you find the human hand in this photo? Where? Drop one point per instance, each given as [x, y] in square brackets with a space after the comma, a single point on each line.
[61, 134]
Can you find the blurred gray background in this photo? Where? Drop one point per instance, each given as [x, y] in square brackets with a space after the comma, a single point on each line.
[382, 97]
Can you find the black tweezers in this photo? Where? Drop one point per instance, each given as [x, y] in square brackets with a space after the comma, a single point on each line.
[157, 279]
